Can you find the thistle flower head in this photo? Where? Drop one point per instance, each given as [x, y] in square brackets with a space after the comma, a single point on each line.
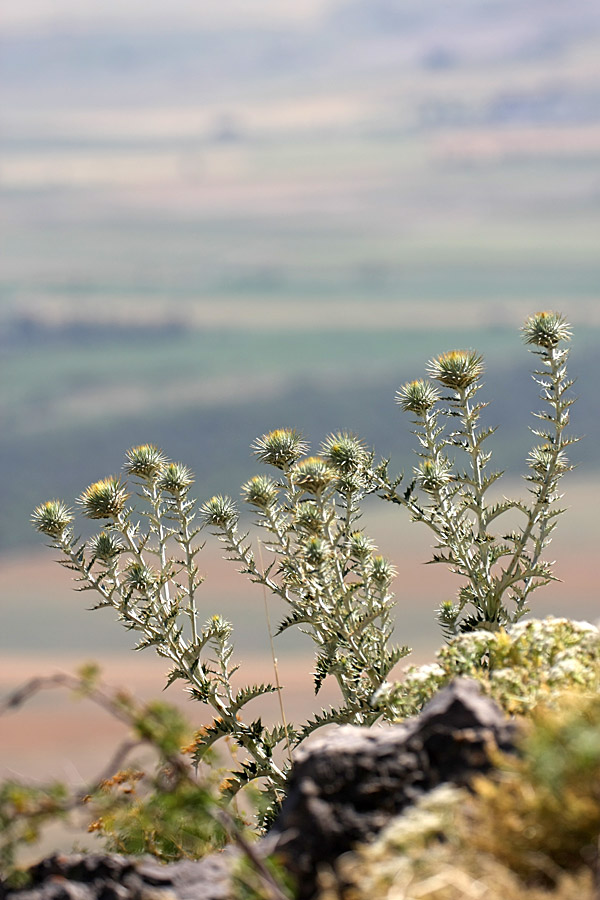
[546, 329]
[219, 511]
[145, 461]
[383, 571]
[175, 479]
[456, 369]
[51, 518]
[433, 475]
[344, 452]
[360, 546]
[105, 546]
[260, 491]
[104, 499]
[351, 483]
[308, 518]
[316, 551]
[417, 396]
[543, 457]
[140, 577]
[280, 448]
[313, 474]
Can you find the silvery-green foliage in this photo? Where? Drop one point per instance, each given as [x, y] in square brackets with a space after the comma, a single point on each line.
[319, 561]
[143, 563]
[518, 666]
[448, 490]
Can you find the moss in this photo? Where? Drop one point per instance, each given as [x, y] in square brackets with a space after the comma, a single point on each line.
[529, 831]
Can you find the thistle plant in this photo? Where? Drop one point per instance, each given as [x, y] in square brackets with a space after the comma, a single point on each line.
[448, 490]
[320, 563]
[143, 564]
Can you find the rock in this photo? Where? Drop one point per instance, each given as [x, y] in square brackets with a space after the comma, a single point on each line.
[344, 788]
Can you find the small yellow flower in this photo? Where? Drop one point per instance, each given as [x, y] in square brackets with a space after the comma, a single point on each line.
[312, 474]
[175, 479]
[51, 518]
[433, 475]
[280, 448]
[457, 369]
[417, 396]
[219, 511]
[145, 461]
[260, 491]
[344, 452]
[104, 499]
[546, 329]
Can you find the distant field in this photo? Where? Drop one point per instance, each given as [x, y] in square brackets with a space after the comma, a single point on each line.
[219, 227]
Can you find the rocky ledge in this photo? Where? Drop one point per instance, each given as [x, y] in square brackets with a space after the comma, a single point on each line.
[344, 788]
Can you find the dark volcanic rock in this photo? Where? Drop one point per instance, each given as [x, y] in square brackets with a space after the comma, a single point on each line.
[344, 788]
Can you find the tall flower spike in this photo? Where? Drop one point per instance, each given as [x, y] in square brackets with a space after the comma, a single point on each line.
[104, 499]
[546, 329]
[51, 518]
[417, 396]
[457, 369]
[280, 448]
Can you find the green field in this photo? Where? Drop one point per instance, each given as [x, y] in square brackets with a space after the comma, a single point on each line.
[203, 241]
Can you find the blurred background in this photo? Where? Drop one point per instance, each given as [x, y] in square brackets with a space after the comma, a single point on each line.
[221, 218]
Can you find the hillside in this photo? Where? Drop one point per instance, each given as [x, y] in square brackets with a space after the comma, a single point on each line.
[214, 224]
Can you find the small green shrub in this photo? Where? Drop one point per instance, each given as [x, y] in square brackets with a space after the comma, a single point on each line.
[163, 807]
[520, 666]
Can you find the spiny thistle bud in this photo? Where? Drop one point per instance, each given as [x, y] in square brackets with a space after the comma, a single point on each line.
[145, 461]
[140, 577]
[344, 452]
[51, 518]
[433, 475]
[105, 546]
[175, 479]
[104, 499]
[316, 551]
[312, 474]
[417, 396]
[360, 547]
[383, 571]
[543, 457]
[351, 483]
[219, 628]
[280, 448]
[219, 511]
[308, 517]
[260, 491]
[456, 369]
[448, 613]
[546, 329]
